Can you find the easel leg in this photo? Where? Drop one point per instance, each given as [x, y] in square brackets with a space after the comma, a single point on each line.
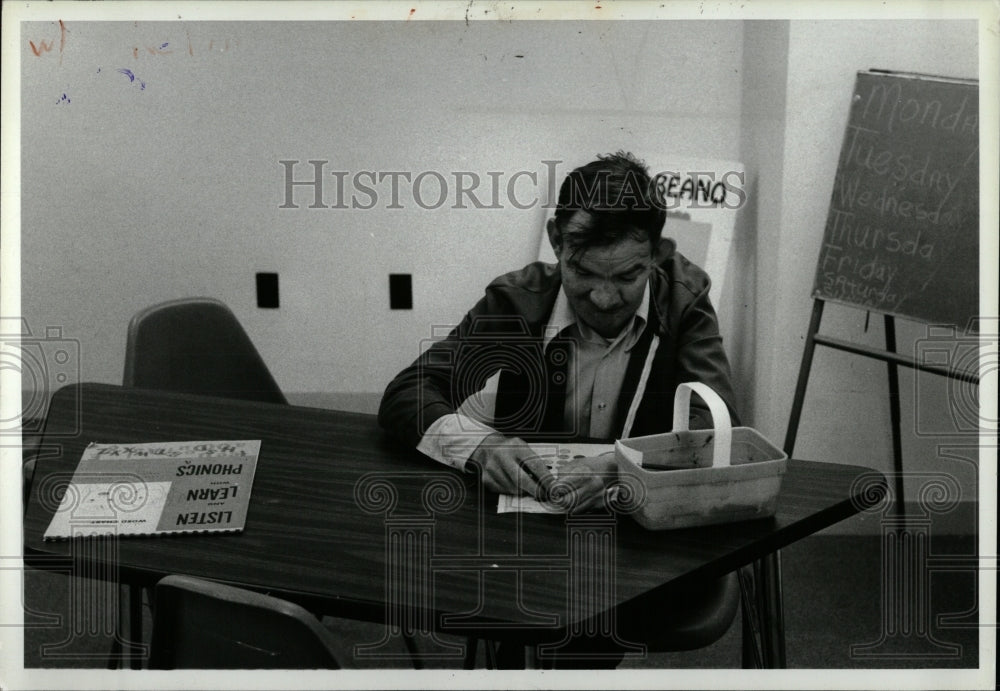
[800, 386]
[894, 414]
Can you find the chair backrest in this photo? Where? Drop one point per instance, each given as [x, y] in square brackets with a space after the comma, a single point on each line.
[199, 624]
[196, 345]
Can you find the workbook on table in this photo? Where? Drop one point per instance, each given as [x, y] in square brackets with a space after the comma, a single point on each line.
[558, 458]
[158, 488]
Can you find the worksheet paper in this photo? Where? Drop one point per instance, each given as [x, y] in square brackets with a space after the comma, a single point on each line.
[558, 458]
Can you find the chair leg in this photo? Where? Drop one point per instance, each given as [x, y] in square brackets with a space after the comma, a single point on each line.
[746, 641]
[411, 648]
[753, 657]
[491, 654]
[471, 648]
[135, 625]
[115, 653]
[534, 661]
[129, 647]
[774, 629]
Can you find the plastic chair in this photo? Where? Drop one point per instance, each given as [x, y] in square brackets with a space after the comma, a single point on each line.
[692, 619]
[698, 618]
[192, 345]
[199, 624]
[196, 345]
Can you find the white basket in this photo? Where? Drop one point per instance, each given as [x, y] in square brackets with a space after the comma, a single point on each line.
[722, 474]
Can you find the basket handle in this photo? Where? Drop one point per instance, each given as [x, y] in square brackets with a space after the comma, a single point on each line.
[720, 418]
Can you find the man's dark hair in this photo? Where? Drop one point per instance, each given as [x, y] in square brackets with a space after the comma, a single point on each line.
[618, 193]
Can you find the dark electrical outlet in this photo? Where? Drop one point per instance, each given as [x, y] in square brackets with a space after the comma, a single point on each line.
[400, 291]
[267, 291]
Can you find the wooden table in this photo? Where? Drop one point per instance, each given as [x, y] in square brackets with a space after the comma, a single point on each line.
[347, 522]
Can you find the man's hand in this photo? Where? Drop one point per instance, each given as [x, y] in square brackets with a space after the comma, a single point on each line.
[511, 467]
[581, 485]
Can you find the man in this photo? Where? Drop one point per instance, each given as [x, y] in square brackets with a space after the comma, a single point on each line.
[592, 347]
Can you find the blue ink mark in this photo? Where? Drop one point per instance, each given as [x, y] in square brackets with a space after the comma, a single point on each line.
[132, 78]
[64, 99]
[164, 45]
[98, 70]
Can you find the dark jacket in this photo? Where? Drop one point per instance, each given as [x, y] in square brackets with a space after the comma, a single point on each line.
[504, 331]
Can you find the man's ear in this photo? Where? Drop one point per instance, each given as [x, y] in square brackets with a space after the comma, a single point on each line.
[555, 239]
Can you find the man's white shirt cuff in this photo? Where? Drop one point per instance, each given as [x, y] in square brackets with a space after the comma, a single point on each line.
[452, 439]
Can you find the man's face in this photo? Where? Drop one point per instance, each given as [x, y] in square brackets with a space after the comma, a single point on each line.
[604, 285]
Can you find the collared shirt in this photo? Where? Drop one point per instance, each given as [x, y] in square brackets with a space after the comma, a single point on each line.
[597, 369]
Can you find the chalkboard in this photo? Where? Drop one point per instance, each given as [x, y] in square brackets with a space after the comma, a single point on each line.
[902, 235]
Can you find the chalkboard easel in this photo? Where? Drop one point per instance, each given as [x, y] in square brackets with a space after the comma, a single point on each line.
[902, 234]
[889, 356]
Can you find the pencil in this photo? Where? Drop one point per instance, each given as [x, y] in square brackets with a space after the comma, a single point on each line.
[544, 494]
